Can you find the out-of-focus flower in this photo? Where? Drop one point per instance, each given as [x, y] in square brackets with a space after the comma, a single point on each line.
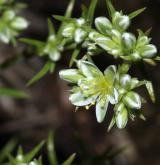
[11, 25]
[52, 48]
[74, 30]
[125, 45]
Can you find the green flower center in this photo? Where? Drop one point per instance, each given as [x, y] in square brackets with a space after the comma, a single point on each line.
[100, 85]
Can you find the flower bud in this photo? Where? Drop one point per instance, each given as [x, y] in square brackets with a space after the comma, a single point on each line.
[54, 55]
[149, 51]
[2, 2]
[121, 21]
[19, 23]
[132, 100]
[68, 30]
[125, 81]
[9, 15]
[52, 38]
[80, 22]
[103, 24]
[80, 35]
[121, 116]
[104, 42]
[128, 40]
[135, 56]
[142, 41]
[5, 36]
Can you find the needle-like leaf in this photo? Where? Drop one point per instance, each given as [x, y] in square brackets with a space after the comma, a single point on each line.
[91, 11]
[51, 29]
[136, 13]
[13, 93]
[41, 73]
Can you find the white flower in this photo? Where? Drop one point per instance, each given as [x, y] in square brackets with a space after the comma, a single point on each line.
[92, 87]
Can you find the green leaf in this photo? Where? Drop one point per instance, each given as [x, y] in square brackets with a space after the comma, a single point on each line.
[110, 7]
[41, 73]
[84, 11]
[28, 157]
[68, 14]
[12, 93]
[69, 160]
[33, 42]
[51, 29]
[157, 58]
[51, 150]
[148, 31]
[63, 18]
[136, 13]
[150, 61]
[20, 150]
[91, 11]
[7, 149]
[111, 124]
[74, 56]
[69, 10]
[12, 160]
[10, 61]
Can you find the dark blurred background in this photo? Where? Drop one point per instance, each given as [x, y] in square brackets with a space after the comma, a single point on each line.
[48, 107]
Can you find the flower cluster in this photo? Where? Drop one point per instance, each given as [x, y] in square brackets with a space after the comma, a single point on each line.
[52, 48]
[109, 36]
[92, 87]
[74, 30]
[11, 23]
[113, 38]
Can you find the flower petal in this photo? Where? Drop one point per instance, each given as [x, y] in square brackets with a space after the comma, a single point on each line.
[78, 99]
[88, 69]
[121, 116]
[70, 75]
[110, 73]
[113, 97]
[101, 109]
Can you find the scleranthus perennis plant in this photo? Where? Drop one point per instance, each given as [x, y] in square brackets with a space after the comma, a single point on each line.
[91, 87]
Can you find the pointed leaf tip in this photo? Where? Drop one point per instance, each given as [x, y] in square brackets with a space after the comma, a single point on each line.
[136, 13]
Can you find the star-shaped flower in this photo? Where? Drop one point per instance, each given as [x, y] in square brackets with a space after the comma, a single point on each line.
[92, 87]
